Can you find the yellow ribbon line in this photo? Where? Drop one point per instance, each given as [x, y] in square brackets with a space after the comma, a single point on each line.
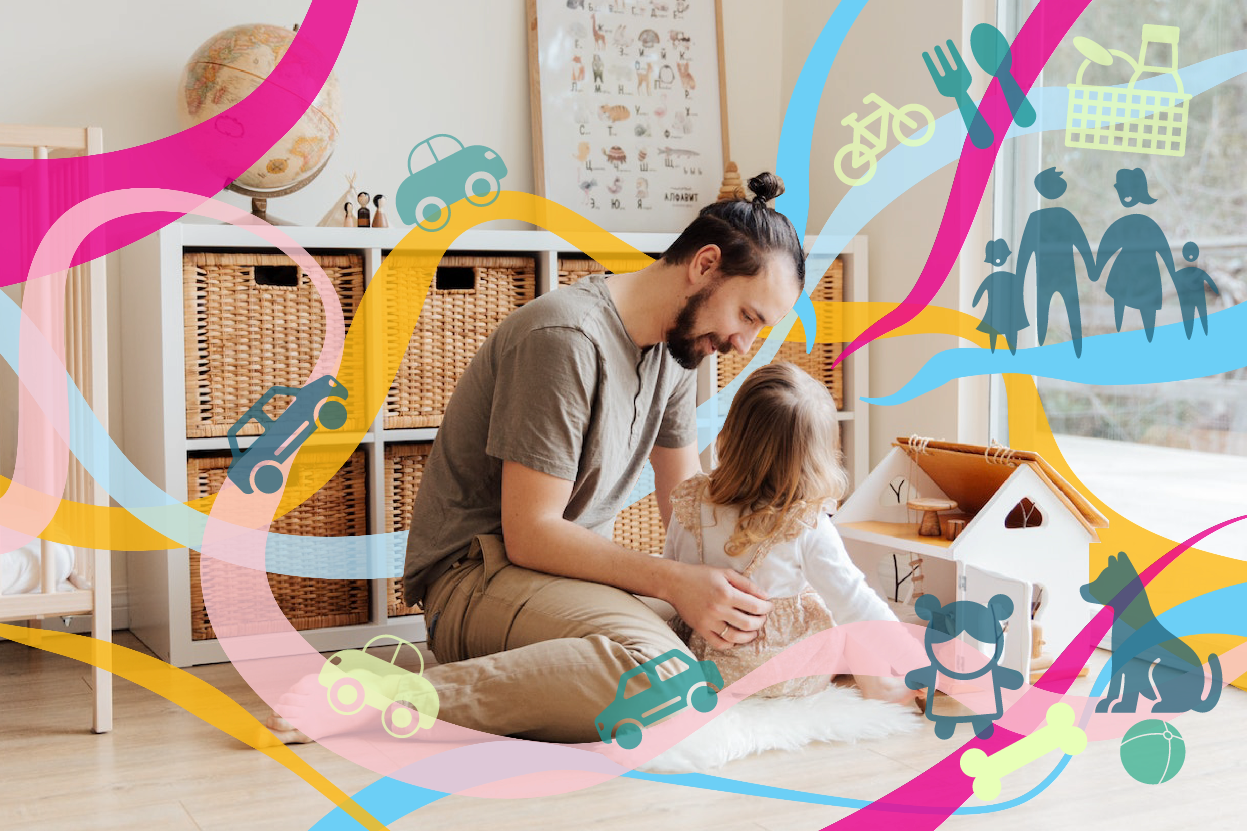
[192, 694]
[387, 315]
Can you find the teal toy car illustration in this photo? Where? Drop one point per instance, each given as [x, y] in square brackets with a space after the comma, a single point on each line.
[356, 680]
[697, 684]
[320, 404]
[441, 172]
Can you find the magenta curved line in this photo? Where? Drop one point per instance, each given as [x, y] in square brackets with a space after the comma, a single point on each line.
[200, 160]
[43, 412]
[1040, 35]
[943, 784]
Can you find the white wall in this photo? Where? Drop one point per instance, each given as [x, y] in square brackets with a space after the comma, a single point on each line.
[883, 55]
[409, 70]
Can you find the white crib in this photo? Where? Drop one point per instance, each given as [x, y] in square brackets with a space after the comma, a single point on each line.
[89, 589]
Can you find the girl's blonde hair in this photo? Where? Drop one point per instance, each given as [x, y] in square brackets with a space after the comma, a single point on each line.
[779, 453]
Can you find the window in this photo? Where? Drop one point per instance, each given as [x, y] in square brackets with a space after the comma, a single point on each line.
[1025, 514]
[1168, 456]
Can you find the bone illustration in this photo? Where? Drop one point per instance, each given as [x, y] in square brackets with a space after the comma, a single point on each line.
[1059, 732]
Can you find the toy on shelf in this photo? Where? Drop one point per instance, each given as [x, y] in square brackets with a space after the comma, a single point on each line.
[379, 219]
[333, 216]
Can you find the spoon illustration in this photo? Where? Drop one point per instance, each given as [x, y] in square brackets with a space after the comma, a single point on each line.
[991, 50]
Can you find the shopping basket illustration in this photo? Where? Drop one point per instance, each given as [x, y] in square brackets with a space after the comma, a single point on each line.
[1129, 120]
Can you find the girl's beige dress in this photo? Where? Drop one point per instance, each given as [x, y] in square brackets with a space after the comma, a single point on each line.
[802, 566]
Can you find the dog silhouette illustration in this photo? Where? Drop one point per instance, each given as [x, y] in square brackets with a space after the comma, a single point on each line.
[1148, 660]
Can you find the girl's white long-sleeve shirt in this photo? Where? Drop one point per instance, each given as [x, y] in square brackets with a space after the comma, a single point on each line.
[816, 557]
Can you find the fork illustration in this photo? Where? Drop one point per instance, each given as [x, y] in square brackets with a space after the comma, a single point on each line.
[954, 83]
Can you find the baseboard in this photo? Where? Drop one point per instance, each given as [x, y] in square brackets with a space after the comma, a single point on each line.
[81, 624]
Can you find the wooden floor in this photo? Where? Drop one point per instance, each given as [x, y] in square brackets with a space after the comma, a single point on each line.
[164, 769]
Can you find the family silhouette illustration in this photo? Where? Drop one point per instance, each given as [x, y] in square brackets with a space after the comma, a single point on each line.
[1053, 236]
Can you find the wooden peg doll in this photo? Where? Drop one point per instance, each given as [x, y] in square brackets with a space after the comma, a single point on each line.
[363, 214]
[379, 219]
[348, 218]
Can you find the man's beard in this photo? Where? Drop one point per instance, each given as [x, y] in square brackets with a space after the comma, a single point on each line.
[682, 342]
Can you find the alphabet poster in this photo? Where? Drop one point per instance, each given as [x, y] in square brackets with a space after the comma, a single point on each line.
[626, 109]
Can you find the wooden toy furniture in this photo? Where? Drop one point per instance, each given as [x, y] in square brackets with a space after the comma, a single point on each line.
[1026, 534]
[930, 508]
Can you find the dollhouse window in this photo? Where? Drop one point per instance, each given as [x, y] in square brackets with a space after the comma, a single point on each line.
[1025, 514]
[897, 492]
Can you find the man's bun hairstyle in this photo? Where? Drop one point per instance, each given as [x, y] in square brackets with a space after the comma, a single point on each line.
[745, 230]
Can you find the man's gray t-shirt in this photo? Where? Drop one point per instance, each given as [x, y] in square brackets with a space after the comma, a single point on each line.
[560, 388]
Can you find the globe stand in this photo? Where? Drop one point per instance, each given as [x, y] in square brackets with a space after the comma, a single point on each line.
[259, 198]
[259, 208]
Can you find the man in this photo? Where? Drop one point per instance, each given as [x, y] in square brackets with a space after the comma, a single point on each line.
[1051, 236]
[530, 606]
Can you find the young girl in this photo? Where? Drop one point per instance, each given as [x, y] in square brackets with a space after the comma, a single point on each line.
[762, 512]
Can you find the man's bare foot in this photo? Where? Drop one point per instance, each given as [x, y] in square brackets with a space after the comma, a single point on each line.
[306, 705]
[285, 732]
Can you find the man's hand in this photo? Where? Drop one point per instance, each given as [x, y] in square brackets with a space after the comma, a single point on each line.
[720, 604]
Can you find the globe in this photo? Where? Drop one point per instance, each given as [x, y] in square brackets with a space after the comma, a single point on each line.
[223, 71]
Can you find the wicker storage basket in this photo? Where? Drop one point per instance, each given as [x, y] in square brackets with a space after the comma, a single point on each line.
[338, 509]
[476, 294]
[404, 465]
[573, 269]
[252, 321]
[639, 527]
[819, 361]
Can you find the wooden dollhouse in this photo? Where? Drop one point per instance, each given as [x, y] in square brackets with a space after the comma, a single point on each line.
[975, 522]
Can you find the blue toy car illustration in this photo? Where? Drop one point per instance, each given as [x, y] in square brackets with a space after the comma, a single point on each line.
[698, 684]
[320, 404]
[443, 171]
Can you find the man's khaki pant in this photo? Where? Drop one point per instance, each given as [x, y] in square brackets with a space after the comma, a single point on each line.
[529, 654]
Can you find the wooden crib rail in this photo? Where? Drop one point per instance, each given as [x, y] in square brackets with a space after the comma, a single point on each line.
[86, 359]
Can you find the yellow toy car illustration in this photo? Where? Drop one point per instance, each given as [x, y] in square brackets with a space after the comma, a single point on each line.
[355, 680]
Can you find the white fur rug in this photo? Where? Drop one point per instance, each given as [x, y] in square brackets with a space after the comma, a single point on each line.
[755, 725]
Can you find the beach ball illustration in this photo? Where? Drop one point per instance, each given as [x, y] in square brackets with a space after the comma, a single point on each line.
[1153, 751]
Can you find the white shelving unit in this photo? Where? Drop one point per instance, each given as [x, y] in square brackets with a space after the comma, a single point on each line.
[854, 416]
[154, 386]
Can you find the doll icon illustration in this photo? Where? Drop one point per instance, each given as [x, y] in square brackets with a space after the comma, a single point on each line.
[1190, 283]
[980, 623]
[1006, 312]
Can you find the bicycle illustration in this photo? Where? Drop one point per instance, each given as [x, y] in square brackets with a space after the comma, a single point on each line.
[867, 145]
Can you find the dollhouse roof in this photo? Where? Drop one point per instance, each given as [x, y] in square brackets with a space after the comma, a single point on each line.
[972, 474]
